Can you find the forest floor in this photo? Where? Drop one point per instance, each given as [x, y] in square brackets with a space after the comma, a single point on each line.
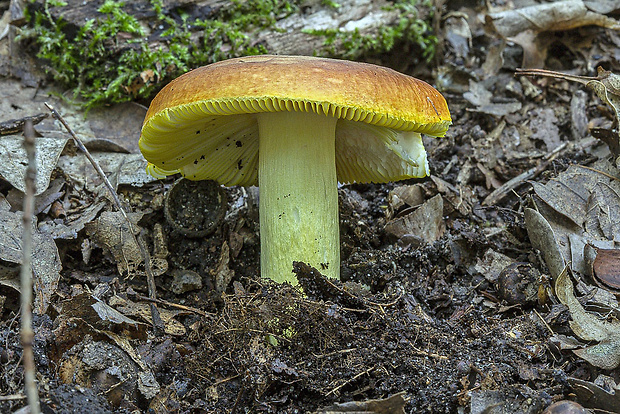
[488, 287]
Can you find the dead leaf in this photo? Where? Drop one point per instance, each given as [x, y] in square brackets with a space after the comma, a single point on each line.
[506, 400]
[543, 124]
[593, 396]
[101, 316]
[10, 276]
[114, 368]
[491, 264]
[458, 33]
[542, 237]
[588, 327]
[526, 26]
[223, 274]
[563, 198]
[73, 223]
[605, 268]
[603, 212]
[606, 86]
[119, 167]
[580, 206]
[404, 196]
[425, 223]
[534, 48]
[579, 120]
[118, 124]
[480, 97]
[14, 161]
[391, 405]
[46, 263]
[111, 232]
[143, 310]
[147, 384]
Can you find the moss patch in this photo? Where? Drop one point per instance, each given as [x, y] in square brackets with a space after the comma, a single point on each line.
[410, 29]
[126, 51]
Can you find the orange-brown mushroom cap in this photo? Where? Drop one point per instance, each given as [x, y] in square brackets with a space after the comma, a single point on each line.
[203, 123]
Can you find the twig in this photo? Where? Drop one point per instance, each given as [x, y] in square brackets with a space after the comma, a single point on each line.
[557, 75]
[172, 305]
[253, 331]
[13, 397]
[356, 376]
[611, 177]
[13, 126]
[419, 352]
[513, 183]
[158, 324]
[82, 147]
[27, 334]
[544, 321]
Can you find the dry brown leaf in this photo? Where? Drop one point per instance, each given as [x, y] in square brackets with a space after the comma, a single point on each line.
[593, 396]
[143, 310]
[391, 405]
[99, 315]
[14, 161]
[223, 274]
[543, 238]
[543, 124]
[606, 86]
[480, 97]
[606, 267]
[588, 327]
[46, 264]
[111, 232]
[525, 26]
[582, 206]
[425, 223]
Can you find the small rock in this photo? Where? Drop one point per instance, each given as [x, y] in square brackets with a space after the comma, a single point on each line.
[565, 407]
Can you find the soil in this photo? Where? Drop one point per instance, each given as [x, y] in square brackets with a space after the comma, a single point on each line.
[458, 316]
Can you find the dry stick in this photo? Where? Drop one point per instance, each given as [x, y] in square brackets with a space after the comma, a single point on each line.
[558, 75]
[356, 376]
[158, 324]
[611, 177]
[13, 397]
[14, 126]
[174, 305]
[510, 185]
[27, 334]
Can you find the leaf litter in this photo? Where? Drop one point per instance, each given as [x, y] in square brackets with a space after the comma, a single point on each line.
[425, 309]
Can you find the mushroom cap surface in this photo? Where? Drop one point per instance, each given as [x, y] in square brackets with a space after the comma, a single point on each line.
[204, 124]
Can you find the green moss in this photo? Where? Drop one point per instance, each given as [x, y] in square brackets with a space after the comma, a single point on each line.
[331, 4]
[108, 59]
[409, 29]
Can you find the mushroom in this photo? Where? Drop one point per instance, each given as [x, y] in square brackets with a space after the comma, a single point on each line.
[314, 121]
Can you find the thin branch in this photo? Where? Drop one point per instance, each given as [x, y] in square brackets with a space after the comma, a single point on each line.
[13, 397]
[557, 75]
[510, 185]
[173, 305]
[27, 334]
[15, 126]
[356, 376]
[82, 147]
[158, 324]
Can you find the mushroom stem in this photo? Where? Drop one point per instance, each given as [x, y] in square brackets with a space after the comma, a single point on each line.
[298, 204]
